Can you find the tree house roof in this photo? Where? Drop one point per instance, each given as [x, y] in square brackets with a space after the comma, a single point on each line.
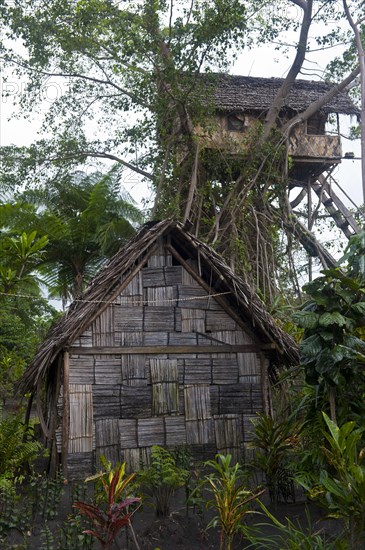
[234, 93]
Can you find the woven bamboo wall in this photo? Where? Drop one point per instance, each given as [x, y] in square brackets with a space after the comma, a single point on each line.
[123, 403]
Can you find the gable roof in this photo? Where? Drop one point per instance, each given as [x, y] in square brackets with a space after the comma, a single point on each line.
[104, 287]
[234, 93]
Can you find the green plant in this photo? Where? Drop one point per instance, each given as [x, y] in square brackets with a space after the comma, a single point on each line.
[273, 440]
[290, 536]
[17, 446]
[47, 538]
[45, 494]
[72, 534]
[161, 478]
[231, 499]
[340, 487]
[333, 344]
[110, 517]
[194, 491]
[15, 509]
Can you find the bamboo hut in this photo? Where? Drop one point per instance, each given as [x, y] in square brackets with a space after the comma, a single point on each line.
[167, 346]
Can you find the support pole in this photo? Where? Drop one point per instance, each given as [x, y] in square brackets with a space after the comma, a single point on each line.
[265, 388]
[310, 226]
[66, 412]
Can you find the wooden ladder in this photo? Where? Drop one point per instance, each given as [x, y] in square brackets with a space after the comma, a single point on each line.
[334, 206]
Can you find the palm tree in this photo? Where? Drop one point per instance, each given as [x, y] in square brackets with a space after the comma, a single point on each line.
[20, 255]
[86, 219]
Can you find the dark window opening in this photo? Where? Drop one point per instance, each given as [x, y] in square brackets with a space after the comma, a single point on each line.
[236, 123]
[316, 125]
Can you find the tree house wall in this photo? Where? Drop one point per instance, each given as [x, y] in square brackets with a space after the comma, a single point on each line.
[307, 140]
[313, 147]
[217, 135]
[165, 364]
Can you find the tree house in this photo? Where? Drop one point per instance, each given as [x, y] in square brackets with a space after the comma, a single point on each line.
[240, 103]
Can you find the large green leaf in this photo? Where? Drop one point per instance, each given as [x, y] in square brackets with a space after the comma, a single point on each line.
[311, 346]
[354, 342]
[334, 318]
[306, 319]
[359, 307]
[346, 295]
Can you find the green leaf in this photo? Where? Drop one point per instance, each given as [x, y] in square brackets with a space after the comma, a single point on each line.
[346, 295]
[332, 487]
[335, 318]
[306, 319]
[326, 336]
[359, 307]
[311, 346]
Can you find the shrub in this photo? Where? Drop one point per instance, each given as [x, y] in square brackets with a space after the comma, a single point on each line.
[161, 478]
[111, 516]
[231, 498]
[340, 486]
[273, 441]
[17, 446]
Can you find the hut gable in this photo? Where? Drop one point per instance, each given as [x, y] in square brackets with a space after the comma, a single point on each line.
[166, 347]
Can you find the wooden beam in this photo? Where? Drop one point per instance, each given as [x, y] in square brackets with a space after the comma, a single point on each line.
[66, 412]
[160, 350]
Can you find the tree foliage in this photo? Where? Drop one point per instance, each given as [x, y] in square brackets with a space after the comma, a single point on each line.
[134, 68]
[340, 485]
[80, 220]
[24, 314]
[333, 344]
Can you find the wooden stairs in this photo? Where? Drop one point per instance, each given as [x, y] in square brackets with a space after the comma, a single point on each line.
[341, 215]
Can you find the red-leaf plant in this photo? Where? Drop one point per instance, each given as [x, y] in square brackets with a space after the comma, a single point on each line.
[108, 523]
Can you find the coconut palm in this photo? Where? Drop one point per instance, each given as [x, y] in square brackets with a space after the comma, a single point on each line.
[87, 219]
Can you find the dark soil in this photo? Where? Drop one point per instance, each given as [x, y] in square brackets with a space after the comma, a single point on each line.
[182, 529]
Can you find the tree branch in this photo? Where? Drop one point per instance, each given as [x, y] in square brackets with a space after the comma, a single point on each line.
[94, 154]
[96, 80]
[307, 239]
[286, 86]
[301, 3]
[193, 185]
[111, 157]
[316, 105]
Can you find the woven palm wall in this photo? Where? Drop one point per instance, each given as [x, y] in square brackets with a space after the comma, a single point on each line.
[142, 374]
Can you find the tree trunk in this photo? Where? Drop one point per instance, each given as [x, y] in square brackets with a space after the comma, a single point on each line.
[285, 88]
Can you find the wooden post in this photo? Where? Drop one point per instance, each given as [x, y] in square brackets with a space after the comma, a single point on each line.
[66, 412]
[53, 462]
[310, 227]
[265, 384]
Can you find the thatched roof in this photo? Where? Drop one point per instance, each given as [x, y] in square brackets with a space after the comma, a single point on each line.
[233, 93]
[102, 289]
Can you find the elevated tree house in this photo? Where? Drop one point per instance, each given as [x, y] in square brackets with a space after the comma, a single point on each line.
[239, 105]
